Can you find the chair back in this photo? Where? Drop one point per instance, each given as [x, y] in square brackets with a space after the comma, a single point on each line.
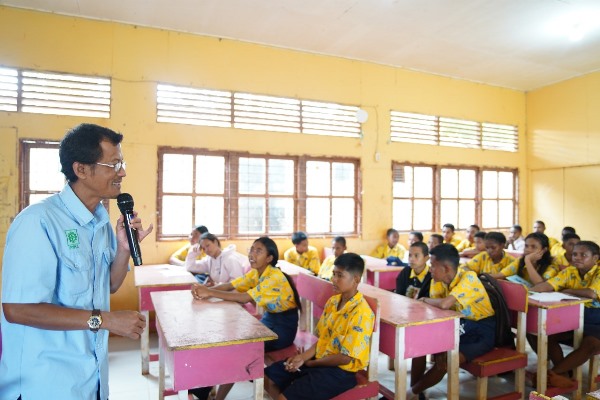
[314, 289]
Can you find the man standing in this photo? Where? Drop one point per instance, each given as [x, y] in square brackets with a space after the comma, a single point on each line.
[61, 263]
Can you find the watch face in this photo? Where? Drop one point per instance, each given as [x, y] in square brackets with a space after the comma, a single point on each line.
[94, 322]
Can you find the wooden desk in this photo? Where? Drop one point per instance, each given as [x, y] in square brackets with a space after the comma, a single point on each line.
[548, 318]
[410, 328]
[206, 343]
[379, 274]
[156, 278]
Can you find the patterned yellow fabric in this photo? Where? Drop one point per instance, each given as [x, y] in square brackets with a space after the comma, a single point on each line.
[482, 263]
[326, 270]
[465, 245]
[570, 279]
[182, 253]
[309, 259]
[553, 242]
[471, 298]
[512, 269]
[454, 242]
[271, 290]
[347, 331]
[384, 251]
[562, 261]
[557, 250]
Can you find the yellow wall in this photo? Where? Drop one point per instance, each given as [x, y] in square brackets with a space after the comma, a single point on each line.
[137, 58]
[564, 158]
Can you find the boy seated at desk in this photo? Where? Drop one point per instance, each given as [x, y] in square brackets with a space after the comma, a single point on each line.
[328, 368]
[478, 245]
[338, 246]
[582, 279]
[414, 282]
[391, 251]
[448, 234]
[302, 254]
[564, 259]
[434, 240]
[460, 290]
[469, 242]
[494, 258]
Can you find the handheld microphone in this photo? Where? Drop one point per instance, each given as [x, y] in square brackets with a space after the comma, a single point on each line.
[125, 203]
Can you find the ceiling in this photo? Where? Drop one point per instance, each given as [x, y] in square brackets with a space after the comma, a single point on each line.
[520, 44]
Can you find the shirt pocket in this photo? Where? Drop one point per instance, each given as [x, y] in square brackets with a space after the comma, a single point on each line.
[76, 273]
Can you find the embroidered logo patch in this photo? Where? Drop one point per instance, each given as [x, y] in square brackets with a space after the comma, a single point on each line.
[72, 238]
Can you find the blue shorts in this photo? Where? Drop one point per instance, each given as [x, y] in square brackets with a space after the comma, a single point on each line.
[591, 322]
[478, 338]
[319, 383]
[285, 325]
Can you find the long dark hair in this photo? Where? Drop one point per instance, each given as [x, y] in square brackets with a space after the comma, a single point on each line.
[544, 262]
[273, 251]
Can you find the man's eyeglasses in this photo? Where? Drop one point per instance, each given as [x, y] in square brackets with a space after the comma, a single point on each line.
[117, 167]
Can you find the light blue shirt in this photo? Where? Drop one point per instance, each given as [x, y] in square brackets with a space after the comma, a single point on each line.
[57, 252]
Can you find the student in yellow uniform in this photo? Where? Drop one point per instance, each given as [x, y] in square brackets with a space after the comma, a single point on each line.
[434, 240]
[582, 279]
[536, 265]
[558, 249]
[460, 290]
[178, 258]
[392, 248]
[470, 240]
[414, 237]
[564, 259]
[328, 368]
[494, 258]
[448, 234]
[540, 227]
[338, 246]
[302, 254]
[479, 245]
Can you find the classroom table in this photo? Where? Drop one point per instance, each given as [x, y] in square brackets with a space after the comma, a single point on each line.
[207, 342]
[548, 318]
[410, 328]
[156, 278]
[379, 274]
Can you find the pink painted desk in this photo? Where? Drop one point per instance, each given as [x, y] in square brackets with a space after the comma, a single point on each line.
[205, 343]
[548, 318]
[410, 328]
[156, 278]
[379, 274]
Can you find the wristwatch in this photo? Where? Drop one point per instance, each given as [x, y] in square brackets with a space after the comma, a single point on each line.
[95, 321]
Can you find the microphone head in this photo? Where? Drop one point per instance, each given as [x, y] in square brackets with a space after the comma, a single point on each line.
[125, 203]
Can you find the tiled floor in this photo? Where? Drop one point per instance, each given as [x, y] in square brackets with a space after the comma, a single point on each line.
[127, 382]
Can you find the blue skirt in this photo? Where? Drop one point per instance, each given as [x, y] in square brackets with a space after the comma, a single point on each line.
[285, 325]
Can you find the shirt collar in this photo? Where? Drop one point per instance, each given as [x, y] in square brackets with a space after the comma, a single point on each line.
[421, 276]
[78, 210]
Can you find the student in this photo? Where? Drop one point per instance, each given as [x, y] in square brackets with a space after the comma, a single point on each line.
[338, 246]
[494, 258]
[515, 240]
[460, 290]
[540, 227]
[536, 265]
[221, 265]
[392, 250]
[268, 287]
[558, 249]
[582, 279]
[470, 240]
[415, 280]
[178, 258]
[448, 234]
[302, 254]
[414, 237]
[564, 259]
[434, 240]
[328, 368]
[479, 245]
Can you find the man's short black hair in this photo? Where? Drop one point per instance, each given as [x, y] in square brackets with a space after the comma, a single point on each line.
[298, 237]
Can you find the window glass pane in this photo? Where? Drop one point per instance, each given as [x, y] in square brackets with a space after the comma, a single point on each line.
[36, 198]
[251, 215]
[505, 185]
[281, 215]
[176, 215]
[210, 174]
[44, 170]
[317, 215]
[489, 214]
[449, 183]
[252, 176]
[466, 213]
[342, 180]
[281, 177]
[505, 213]
[317, 179]
[402, 181]
[423, 182]
[209, 212]
[402, 214]
[466, 184]
[342, 218]
[423, 215]
[489, 185]
[448, 212]
[177, 175]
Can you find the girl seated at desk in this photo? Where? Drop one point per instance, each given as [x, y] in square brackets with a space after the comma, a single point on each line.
[219, 265]
[178, 258]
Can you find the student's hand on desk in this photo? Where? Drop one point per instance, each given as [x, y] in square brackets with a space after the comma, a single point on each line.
[209, 282]
[200, 291]
[130, 324]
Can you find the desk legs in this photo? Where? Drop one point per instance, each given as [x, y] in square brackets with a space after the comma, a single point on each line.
[400, 386]
[376, 279]
[453, 365]
[577, 337]
[145, 344]
[258, 388]
[542, 352]
[161, 370]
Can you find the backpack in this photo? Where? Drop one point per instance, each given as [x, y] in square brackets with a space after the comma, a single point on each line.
[504, 334]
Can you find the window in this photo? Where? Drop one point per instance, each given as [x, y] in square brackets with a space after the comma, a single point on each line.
[247, 195]
[427, 196]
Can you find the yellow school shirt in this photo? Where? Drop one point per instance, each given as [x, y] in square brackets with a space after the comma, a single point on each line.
[384, 251]
[326, 270]
[347, 331]
[471, 297]
[512, 269]
[454, 242]
[271, 290]
[553, 242]
[557, 250]
[465, 245]
[182, 253]
[309, 259]
[482, 263]
[561, 261]
[570, 279]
